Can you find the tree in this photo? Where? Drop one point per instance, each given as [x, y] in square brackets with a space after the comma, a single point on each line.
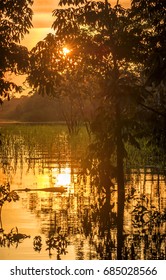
[153, 14]
[15, 21]
[109, 43]
[62, 76]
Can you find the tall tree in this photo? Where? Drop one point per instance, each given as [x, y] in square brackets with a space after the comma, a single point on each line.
[15, 21]
[111, 44]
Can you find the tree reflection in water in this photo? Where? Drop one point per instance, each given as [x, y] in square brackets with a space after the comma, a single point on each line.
[6, 196]
[58, 242]
[147, 237]
[14, 237]
[95, 222]
[85, 217]
[92, 220]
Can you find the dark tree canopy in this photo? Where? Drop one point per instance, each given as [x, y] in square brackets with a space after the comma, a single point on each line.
[15, 22]
[97, 35]
[153, 12]
[124, 48]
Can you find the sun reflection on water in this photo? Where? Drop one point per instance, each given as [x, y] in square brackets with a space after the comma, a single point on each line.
[62, 176]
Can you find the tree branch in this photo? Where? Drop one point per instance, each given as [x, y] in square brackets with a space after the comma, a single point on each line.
[152, 110]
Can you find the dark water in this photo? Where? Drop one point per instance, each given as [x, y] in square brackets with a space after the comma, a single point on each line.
[36, 160]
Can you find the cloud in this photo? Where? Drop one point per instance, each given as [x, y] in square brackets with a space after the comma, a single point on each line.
[42, 20]
[42, 10]
[44, 6]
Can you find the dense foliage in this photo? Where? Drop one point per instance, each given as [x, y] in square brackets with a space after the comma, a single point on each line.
[15, 21]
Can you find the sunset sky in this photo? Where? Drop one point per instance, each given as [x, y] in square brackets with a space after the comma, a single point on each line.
[42, 20]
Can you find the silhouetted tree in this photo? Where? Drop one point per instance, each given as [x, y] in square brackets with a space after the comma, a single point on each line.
[112, 44]
[152, 13]
[15, 21]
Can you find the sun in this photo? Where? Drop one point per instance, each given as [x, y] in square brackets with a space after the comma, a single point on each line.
[65, 50]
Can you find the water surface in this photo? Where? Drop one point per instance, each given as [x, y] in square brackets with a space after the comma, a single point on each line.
[36, 160]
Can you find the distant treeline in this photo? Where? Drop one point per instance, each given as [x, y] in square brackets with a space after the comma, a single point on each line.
[34, 108]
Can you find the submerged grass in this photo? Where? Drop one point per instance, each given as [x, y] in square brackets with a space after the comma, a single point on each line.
[18, 139]
[147, 156]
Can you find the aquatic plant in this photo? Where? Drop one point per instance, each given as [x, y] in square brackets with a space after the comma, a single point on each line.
[14, 237]
[6, 195]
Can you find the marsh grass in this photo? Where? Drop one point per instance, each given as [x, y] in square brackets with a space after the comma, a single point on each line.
[32, 141]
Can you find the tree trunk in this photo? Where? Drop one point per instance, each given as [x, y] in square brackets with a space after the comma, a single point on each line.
[1, 218]
[120, 182]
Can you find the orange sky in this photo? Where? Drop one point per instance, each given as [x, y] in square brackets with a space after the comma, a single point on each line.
[42, 20]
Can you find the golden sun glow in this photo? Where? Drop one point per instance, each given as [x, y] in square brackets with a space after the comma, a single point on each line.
[65, 51]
